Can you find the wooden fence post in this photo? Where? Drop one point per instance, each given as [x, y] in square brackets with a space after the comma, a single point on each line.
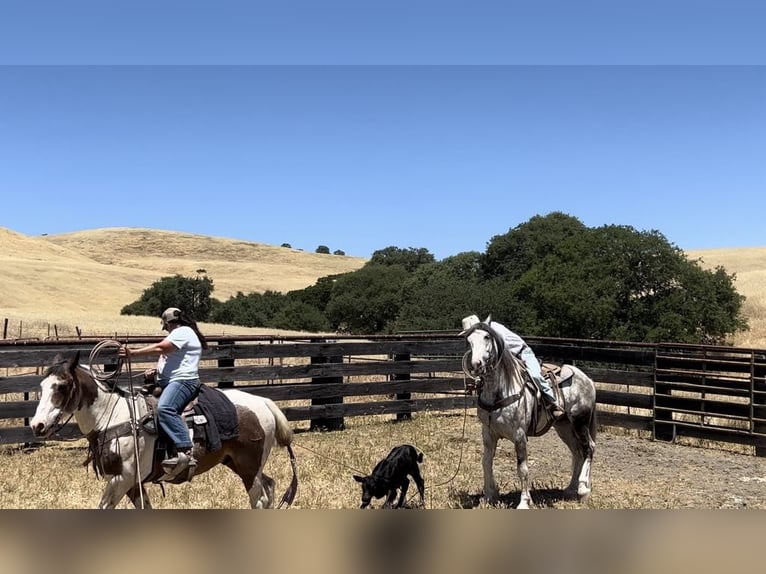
[226, 381]
[662, 423]
[327, 423]
[407, 415]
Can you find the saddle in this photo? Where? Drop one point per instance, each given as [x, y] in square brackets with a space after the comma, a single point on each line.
[553, 374]
[211, 418]
[542, 420]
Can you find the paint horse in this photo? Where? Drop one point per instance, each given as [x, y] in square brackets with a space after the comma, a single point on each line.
[509, 408]
[104, 415]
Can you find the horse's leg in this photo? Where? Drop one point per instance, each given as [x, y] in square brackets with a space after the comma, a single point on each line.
[587, 449]
[135, 494]
[491, 492]
[578, 438]
[257, 494]
[116, 488]
[249, 470]
[268, 489]
[520, 442]
[565, 430]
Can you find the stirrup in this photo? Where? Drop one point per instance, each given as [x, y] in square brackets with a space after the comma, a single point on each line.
[174, 466]
[557, 413]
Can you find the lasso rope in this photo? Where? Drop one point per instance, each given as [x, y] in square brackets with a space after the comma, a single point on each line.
[105, 377]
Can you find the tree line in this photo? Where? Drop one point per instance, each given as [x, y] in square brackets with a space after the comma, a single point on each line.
[550, 276]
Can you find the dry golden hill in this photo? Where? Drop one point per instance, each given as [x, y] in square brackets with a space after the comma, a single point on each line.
[749, 266]
[84, 278]
[233, 265]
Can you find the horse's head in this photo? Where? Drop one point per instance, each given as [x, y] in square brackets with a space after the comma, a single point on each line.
[59, 395]
[486, 347]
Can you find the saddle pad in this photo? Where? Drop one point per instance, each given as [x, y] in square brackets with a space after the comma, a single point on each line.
[215, 406]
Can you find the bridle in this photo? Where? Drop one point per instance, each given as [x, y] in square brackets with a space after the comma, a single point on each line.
[496, 357]
[495, 354]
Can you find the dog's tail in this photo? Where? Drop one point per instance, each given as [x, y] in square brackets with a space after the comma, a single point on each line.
[420, 456]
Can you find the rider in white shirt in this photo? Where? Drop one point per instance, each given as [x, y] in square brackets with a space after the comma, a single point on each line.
[519, 347]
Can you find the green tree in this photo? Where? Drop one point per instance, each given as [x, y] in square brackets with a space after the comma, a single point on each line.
[253, 310]
[436, 296]
[613, 282]
[409, 258]
[367, 301]
[299, 316]
[192, 294]
[317, 295]
[521, 248]
[323, 249]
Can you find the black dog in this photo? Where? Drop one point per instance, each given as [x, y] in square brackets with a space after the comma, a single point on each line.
[390, 474]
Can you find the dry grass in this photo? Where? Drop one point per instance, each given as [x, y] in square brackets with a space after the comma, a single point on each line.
[749, 266]
[628, 472]
[83, 279]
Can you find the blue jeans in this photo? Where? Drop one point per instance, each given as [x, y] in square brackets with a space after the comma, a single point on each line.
[175, 396]
[535, 371]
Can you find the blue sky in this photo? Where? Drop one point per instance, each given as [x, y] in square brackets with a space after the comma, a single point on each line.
[254, 124]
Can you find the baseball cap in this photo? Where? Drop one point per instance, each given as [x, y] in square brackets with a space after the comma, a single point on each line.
[170, 315]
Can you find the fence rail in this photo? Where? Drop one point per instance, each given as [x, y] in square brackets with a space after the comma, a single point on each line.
[705, 392]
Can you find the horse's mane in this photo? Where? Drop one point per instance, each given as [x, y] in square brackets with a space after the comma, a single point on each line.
[511, 366]
[59, 368]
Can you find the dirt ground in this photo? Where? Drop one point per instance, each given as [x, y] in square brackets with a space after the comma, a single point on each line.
[629, 472]
[634, 472]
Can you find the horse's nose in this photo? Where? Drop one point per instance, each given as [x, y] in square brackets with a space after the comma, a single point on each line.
[478, 366]
[37, 429]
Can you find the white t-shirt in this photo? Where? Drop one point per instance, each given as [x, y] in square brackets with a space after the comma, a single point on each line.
[183, 362]
[513, 341]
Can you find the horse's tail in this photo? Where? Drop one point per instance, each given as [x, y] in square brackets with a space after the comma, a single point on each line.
[289, 495]
[283, 431]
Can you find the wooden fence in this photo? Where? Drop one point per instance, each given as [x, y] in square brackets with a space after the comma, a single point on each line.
[706, 392]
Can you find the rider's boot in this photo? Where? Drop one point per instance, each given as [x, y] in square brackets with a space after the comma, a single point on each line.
[556, 412]
[184, 460]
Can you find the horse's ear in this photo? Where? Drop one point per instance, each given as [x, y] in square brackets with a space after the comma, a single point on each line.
[358, 478]
[488, 320]
[74, 361]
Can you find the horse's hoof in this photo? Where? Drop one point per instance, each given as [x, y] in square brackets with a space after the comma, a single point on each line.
[571, 494]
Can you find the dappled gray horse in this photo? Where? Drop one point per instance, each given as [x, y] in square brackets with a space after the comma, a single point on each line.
[509, 407]
[104, 416]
